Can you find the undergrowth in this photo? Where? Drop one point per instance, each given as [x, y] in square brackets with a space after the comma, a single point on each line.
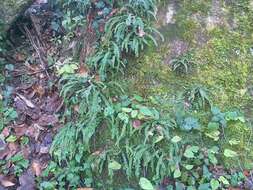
[108, 136]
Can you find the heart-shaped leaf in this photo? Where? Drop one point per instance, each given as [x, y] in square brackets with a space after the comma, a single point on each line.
[230, 153]
[176, 139]
[114, 165]
[145, 184]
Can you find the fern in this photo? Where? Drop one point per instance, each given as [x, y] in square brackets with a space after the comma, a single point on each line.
[131, 32]
[182, 64]
[107, 59]
[91, 98]
[198, 97]
[144, 8]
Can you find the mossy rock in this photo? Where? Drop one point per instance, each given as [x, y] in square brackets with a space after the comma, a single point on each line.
[10, 10]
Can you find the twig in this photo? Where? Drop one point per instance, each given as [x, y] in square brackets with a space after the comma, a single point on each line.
[37, 49]
[7, 58]
[33, 73]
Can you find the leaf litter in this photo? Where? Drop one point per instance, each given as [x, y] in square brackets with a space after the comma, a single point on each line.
[37, 102]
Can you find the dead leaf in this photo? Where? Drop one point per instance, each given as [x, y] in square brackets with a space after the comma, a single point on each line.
[27, 181]
[40, 90]
[41, 1]
[13, 148]
[26, 151]
[27, 102]
[96, 153]
[246, 173]
[5, 181]
[76, 108]
[141, 32]
[83, 70]
[36, 168]
[20, 130]
[46, 120]
[97, 78]
[4, 151]
[44, 150]
[19, 57]
[136, 123]
[5, 132]
[19, 105]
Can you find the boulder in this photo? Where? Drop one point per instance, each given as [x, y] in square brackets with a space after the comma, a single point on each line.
[10, 10]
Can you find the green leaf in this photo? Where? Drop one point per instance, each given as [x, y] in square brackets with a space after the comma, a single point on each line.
[233, 142]
[180, 186]
[47, 185]
[215, 135]
[188, 166]
[212, 158]
[190, 123]
[134, 113]
[204, 186]
[127, 110]
[146, 184]
[146, 111]
[123, 117]
[230, 153]
[68, 69]
[11, 138]
[189, 152]
[213, 126]
[176, 139]
[114, 165]
[177, 173]
[108, 111]
[159, 138]
[214, 184]
[138, 98]
[223, 180]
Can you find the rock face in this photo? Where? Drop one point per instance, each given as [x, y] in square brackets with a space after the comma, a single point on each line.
[10, 9]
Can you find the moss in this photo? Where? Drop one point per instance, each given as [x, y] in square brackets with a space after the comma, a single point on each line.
[199, 6]
[10, 9]
[223, 65]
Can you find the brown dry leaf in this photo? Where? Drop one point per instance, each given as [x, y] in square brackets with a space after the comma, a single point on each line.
[26, 151]
[136, 123]
[46, 120]
[76, 108]
[27, 102]
[83, 70]
[13, 148]
[141, 32]
[31, 131]
[38, 89]
[36, 168]
[27, 181]
[41, 1]
[3, 149]
[44, 150]
[5, 132]
[20, 130]
[4, 181]
[19, 57]
[19, 105]
[97, 78]
[96, 153]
